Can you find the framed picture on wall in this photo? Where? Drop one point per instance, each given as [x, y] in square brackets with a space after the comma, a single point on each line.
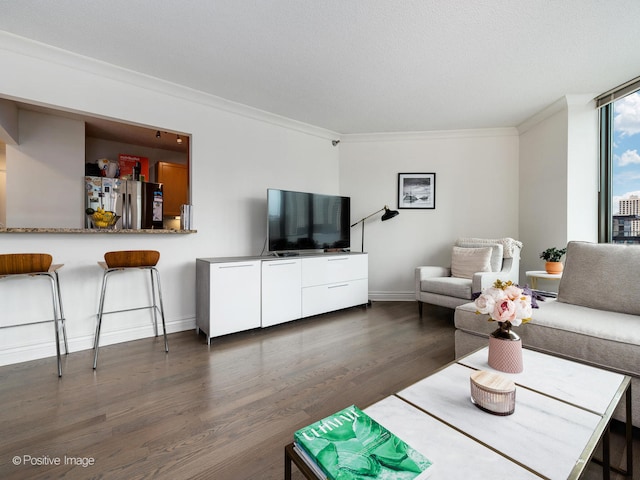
[417, 190]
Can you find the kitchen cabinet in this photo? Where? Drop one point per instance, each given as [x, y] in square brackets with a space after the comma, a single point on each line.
[175, 180]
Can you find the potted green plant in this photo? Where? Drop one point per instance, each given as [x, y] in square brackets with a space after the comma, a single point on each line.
[552, 256]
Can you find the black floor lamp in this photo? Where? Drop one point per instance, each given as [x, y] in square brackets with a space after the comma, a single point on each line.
[386, 216]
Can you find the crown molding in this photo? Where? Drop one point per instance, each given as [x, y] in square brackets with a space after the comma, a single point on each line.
[429, 135]
[556, 107]
[564, 103]
[47, 53]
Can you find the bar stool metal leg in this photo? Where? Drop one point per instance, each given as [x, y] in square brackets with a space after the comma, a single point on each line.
[62, 317]
[56, 316]
[154, 306]
[164, 327]
[99, 318]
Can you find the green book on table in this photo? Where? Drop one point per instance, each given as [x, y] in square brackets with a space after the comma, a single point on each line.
[350, 445]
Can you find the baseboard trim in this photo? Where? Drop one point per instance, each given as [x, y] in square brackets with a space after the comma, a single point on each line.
[26, 353]
[392, 296]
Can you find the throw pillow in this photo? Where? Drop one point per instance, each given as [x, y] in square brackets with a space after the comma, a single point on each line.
[467, 261]
[497, 251]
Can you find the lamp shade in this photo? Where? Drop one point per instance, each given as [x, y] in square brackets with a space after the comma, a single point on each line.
[389, 214]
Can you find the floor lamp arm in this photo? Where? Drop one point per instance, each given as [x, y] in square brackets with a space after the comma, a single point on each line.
[362, 222]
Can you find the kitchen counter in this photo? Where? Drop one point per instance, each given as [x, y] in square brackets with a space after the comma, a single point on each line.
[92, 231]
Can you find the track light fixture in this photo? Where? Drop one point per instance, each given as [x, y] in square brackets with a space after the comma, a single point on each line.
[178, 139]
[335, 142]
[158, 134]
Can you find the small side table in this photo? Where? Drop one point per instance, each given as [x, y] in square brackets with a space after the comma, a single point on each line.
[535, 275]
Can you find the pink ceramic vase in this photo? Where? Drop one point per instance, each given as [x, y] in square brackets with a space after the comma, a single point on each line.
[505, 350]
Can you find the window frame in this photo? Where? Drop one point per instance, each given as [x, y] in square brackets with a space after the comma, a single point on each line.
[605, 103]
[605, 190]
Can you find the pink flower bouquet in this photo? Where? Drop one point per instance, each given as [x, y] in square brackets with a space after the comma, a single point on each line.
[505, 303]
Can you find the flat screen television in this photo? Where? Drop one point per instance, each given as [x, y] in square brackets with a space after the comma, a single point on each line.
[307, 221]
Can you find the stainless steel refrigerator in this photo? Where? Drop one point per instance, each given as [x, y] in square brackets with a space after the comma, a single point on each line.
[139, 204]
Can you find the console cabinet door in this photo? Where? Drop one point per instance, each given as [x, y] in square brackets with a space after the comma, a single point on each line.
[324, 270]
[334, 282]
[235, 297]
[281, 295]
[335, 296]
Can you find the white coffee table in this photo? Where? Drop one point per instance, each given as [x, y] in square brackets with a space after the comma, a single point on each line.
[563, 410]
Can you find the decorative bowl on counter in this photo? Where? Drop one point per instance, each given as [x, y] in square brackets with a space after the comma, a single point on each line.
[103, 219]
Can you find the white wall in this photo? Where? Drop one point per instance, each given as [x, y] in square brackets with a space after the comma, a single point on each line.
[3, 185]
[237, 153]
[8, 135]
[582, 168]
[8, 122]
[543, 191]
[476, 196]
[45, 171]
[558, 178]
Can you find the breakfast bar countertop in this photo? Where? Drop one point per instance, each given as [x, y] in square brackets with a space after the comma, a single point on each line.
[91, 231]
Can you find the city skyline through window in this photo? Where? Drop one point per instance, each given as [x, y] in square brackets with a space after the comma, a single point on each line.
[624, 159]
[625, 168]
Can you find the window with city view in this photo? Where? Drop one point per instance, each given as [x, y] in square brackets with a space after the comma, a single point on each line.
[625, 170]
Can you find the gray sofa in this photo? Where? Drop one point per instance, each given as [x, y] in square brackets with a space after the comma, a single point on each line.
[595, 319]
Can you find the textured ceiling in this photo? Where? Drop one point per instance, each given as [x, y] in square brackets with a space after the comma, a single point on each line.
[357, 66]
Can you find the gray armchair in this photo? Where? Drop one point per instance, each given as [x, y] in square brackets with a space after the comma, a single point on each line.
[453, 286]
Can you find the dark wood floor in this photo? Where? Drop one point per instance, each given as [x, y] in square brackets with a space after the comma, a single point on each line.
[223, 412]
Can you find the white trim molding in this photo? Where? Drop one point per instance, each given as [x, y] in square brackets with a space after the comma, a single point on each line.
[563, 103]
[392, 296]
[25, 353]
[430, 135]
[47, 53]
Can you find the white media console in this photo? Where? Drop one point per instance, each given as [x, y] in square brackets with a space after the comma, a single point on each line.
[240, 293]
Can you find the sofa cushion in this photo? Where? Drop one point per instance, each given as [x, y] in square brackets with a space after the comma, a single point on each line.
[497, 251]
[602, 276]
[603, 338]
[467, 261]
[557, 316]
[450, 286]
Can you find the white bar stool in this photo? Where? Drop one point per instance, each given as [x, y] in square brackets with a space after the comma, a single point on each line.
[38, 265]
[126, 260]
